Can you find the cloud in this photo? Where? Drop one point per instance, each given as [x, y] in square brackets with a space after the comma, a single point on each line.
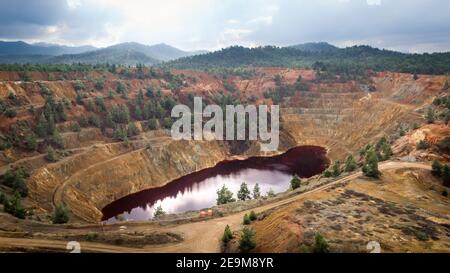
[210, 24]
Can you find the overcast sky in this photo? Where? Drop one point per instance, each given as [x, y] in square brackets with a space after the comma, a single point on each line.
[405, 25]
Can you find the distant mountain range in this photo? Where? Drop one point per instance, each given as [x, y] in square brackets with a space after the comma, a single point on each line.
[125, 53]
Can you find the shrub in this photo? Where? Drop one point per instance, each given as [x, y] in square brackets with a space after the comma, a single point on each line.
[61, 215]
[295, 182]
[16, 179]
[436, 168]
[422, 145]
[320, 244]
[76, 127]
[445, 193]
[247, 241]
[132, 130]
[327, 173]
[14, 207]
[243, 193]
[10, 113]
[246, 220]
[253, 216]
[91, 236]
[446, 175]
[227, 235]
[270, 193]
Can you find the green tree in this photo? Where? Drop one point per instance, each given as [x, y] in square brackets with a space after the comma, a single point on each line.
[14, 207]
[247, 241]
[31, 142]
[138, 113]
[295, 182]
[61, 214]
[140, 98]
[132, 130]
[336, 169]
[227, 234]
[243, 193]
[256, 192]
[224, 196]
[41, 128]
[51, 156]
[446, 175]
[350, 164]
[159, 212]
[431, 118]
[370, 167]
[436, 168]
[99, 84]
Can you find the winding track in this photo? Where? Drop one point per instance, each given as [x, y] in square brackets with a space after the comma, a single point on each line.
[198, 237]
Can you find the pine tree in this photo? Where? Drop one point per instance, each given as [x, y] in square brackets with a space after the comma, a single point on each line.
[227, 234]
[138, 113]
[350, 164]
[430, 116]
[224, 196]
[247, 241]
[295, 182]
[159, 212]
[243, 193]
[370, 167]
[336, 169]
[256, 192]
[50, 154]
[41, 128]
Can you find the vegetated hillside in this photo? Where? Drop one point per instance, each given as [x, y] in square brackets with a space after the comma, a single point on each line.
[316, 47]
[351, 60]
[22, 48]
[125, 53]
[79, 130]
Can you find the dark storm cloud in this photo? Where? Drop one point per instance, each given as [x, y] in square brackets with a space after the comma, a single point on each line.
[24, 19]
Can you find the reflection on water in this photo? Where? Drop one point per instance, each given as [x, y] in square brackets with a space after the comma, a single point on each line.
[197, 191]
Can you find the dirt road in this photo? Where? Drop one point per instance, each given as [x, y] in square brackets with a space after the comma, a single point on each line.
[198, 237]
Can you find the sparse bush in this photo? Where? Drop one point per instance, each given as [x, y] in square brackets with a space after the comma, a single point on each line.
[247, 241]
[61, 214]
